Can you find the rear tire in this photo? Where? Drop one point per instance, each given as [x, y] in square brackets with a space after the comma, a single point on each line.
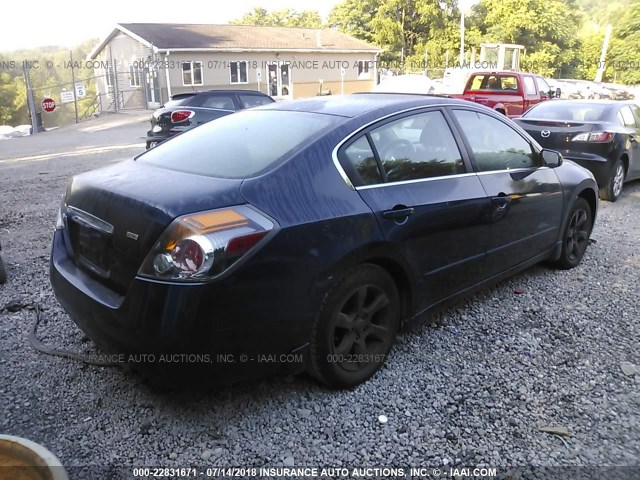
[575, 238]
[612, 190]
[355, 328]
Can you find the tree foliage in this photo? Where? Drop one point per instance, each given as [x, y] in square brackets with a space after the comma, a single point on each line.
[624, 61]
[280, 18]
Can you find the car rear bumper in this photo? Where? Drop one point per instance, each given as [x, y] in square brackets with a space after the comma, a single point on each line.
[217, 328]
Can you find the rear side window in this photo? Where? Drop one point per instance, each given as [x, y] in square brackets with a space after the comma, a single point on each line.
[362, 162]
[529, 86]
[242, 145]
[249, 101]
[495, 145]
[419, 146]
[215, 101]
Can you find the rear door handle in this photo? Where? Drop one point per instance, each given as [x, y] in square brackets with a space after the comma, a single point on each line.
[399, 213]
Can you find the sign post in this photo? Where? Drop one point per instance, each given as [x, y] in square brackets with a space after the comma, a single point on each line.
[258, 77]
[342, 73]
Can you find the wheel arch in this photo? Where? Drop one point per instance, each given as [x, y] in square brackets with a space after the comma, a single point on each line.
[381, 255]
[625, 161]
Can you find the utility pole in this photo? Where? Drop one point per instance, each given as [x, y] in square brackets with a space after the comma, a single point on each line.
[461, 37]
[603, 54]
[30, 100]
[73, 86]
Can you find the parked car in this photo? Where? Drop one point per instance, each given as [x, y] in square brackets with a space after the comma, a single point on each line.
[188, 110]
[305, 234]
[600, 135]
[510, 93]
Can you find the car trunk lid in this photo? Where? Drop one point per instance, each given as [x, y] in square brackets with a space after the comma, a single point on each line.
[557, 134]
[115, 215]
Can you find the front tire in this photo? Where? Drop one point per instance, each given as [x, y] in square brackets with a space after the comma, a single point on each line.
[612, 190]
[355, 328]
[575, 238]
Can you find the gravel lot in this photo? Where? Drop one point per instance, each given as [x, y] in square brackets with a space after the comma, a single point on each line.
[473, 387]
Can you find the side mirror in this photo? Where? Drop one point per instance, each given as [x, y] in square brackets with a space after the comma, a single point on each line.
[558, 92]
[551, 158]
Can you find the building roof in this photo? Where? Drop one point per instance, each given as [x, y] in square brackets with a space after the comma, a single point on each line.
[203, 37]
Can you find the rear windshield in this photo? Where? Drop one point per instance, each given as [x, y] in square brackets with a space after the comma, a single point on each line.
[240, 145]
[579, 111]
[181, 100]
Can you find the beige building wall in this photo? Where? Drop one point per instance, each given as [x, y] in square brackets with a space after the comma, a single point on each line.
[126, 51]
[306, 70]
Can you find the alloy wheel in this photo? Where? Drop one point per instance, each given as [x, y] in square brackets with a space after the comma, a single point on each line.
[618, 180]
[577, 234]
[362, 327]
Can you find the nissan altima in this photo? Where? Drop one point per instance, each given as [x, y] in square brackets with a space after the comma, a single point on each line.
[305, 234]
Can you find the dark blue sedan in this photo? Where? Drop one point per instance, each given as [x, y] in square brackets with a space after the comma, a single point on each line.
[305, 234]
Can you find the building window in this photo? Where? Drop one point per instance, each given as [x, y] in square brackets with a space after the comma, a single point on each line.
[134, 77]
[363, 69]
[108, 76]
[191, 73]
[238, 72]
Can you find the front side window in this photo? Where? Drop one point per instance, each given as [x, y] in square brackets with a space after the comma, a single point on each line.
[238, 71]
[495, 145]
[543, 86]
[191, 73]
[418, 146]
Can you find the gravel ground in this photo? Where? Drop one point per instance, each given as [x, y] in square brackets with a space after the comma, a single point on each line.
[474, 387]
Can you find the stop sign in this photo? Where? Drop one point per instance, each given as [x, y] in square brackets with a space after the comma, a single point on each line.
[48, 105]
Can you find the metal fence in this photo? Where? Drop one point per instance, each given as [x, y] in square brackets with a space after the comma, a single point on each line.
[53, 104]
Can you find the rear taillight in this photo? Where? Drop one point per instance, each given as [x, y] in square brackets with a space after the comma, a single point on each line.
[597, 137]
[203, 245]
[181, 115]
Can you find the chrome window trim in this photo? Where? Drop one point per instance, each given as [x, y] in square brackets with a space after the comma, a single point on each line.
[417, 180]
[334, 153]
[513, 170]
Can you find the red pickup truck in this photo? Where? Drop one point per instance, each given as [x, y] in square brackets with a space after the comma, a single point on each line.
[511, 93]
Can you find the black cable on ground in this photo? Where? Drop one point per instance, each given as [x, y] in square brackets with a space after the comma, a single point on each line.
[42, 348]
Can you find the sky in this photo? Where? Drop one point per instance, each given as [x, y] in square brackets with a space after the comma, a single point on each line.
[67, 23]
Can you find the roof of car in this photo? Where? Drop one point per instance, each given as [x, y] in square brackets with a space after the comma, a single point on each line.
[221, 91]
[358, 104]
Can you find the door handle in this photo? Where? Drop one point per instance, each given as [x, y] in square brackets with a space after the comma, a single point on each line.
[398, 213]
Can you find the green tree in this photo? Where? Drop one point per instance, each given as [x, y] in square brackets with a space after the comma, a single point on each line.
[547, 29]
[7, 98]
[405, 29]
[624, 59]
[280, 18]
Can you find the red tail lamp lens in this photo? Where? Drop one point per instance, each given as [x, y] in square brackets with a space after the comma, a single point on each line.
[181, 116]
